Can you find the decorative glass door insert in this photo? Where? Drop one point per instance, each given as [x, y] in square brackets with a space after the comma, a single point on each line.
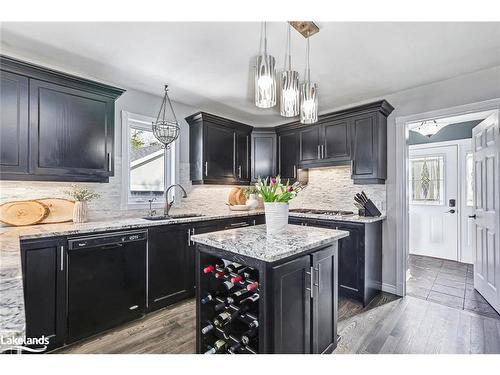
[427, 180]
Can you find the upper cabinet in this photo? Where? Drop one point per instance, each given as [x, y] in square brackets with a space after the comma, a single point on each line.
[55, 127]
[263, 151]
[356, 136]
[287, 154]
[219, 150]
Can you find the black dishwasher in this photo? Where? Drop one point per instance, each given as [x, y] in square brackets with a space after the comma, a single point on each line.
[106, 281]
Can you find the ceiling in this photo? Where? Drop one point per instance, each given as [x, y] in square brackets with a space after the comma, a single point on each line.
[209, 65]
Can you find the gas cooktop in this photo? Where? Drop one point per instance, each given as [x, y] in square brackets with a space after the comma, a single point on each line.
[322, 212]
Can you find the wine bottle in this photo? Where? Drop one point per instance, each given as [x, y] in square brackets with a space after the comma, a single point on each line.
[252, 286]
[212, 267]
[208, 298]
[236, 279]
[219, 274]
[220, 306]
[234, 348]
[218, 347]
[239, 295]
[209, 327]
[253, 324]
[224, 318]
[249, 301]
[228, 286]
[249, 335]
[235, 268]
[251, 274]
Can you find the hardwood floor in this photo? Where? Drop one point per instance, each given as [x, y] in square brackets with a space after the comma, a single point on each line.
[387, 325]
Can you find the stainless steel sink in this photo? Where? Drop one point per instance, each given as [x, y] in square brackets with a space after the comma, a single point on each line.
[170, 217]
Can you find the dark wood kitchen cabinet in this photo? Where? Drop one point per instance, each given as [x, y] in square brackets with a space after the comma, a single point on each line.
[310, 145]
[169, 262]
[219, 150]
[369, 148]
[359, 257]
[14, 125]
[263, 151]
[336, 141]
[70, 134]
[44, 283]
[305, 318]
[288, 155]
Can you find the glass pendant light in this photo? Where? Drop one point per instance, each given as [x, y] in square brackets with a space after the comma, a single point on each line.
[289, 100]
[265, 78]
[308, 96]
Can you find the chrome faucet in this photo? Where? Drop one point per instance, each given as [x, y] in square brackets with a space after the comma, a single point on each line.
[151, 211]
[168, 205]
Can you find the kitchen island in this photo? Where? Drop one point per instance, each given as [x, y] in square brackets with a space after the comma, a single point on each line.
[259, 293]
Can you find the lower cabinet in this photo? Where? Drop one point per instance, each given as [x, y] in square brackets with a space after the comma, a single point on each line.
[168, 265]
[360, 257]
[44, 280]
[305, 303]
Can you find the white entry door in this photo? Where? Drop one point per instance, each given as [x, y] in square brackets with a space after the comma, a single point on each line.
[485, 141]
[433, 201]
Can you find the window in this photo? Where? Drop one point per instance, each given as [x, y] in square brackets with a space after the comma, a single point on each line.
[427, 180]
[469, 176]
[147, 167]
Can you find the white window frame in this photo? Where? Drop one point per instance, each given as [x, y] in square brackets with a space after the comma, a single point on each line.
[145, 123]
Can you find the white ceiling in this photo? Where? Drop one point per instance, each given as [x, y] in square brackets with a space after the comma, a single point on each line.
[209, 65]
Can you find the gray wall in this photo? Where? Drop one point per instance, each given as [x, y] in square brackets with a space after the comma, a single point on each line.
[451, 132]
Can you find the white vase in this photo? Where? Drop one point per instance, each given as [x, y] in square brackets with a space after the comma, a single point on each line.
[276, 217]
[80, 212]
[252, 201]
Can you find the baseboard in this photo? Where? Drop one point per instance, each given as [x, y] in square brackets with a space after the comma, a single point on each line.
[389, 288]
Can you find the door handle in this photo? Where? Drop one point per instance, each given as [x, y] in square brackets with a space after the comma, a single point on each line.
[319, 152]
[206, 168]
[452, 211]
[473, 216]
[239, 171]
[294, 171]
[322, 151]
[319, 277]
[189, 237]
[62, 258]
[311, 281]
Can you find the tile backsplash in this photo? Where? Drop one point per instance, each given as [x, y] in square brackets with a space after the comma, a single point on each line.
[332, 188]
[327, 188]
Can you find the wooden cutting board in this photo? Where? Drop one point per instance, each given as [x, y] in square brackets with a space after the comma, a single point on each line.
[23, 212]
[60, 210]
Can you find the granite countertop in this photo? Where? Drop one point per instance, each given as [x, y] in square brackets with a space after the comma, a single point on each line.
[352, 218]
[255, 243]
[12, 317]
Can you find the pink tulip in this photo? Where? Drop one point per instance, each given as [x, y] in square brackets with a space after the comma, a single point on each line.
[273, 181]
[290, 189]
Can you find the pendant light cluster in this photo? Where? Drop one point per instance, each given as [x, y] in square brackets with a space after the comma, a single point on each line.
[295, 99]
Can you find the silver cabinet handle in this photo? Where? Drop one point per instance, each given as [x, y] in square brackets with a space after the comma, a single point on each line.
[109, 161]
[206, 168]
[279, 155]
[239, 171]
[62, 257]
[254, 222]
[319, 152]
[311, 281]
[294, 171]
[322, 151]
[319, 277]
[189, 237]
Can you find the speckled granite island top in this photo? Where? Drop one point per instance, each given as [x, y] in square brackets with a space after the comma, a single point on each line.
[255, 243]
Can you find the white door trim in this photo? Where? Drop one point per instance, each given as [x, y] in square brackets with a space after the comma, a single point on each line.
[402, 199]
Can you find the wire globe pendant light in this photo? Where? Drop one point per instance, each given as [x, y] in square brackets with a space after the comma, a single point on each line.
[165, 130]
[308, 96]
[289, 99]
[265, 77]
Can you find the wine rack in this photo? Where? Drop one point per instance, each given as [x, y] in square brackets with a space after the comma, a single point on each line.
[229, 299]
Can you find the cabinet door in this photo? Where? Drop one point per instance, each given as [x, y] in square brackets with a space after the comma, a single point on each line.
[351, 262]
[263, 155]
[309, 145]
[71, 132]
[365, 155]
[219, 144]
[337, 141]
[287, 157]
[168, 265]
[13, 125]
[242, 168]
[324, 312]
[44, 280]
[198, 228]
[292, 306]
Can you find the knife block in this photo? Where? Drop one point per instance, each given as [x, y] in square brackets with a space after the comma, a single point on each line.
[371, 209]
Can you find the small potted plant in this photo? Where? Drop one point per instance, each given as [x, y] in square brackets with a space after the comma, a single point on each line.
[276, 196]
[82, 196]
[251, 193]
